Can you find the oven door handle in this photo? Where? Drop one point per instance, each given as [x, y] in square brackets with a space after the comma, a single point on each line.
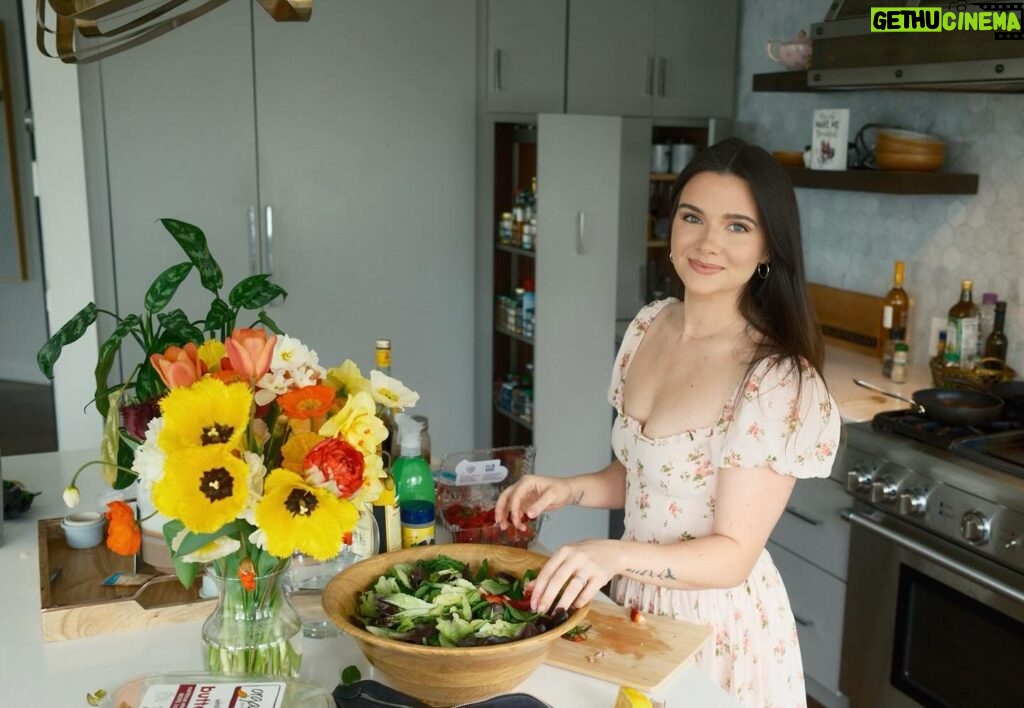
[934, 556]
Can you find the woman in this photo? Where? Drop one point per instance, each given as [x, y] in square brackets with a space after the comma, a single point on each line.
[721, 407]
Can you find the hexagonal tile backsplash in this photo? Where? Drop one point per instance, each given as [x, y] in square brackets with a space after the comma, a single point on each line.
[850, 238]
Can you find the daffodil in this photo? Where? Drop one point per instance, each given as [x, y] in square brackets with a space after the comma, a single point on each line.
[357, 424]
[391, 393]
[204, 487]
[217, 548]
[211, 352]
[209, 412]
[347, 378]
[296, 516]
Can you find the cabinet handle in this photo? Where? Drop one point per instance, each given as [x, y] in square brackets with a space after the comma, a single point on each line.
[581, 227]
[268, 243]
[497, 70]
[254, 243]
[662, 74]
[793, 511]
[803, 622]
[649, 81]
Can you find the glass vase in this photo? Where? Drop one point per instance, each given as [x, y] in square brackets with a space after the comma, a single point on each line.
[252, 631]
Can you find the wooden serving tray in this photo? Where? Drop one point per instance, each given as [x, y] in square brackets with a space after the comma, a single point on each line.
[75, 604]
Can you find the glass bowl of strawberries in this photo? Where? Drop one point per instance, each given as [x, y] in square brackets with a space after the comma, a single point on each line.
[468, 485]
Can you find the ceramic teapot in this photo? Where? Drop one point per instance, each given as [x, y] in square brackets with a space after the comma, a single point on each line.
[794, 54]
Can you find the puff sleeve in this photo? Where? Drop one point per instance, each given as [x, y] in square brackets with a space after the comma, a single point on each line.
[783, 419]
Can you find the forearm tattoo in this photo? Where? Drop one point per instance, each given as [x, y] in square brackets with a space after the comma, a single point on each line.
[648, 573]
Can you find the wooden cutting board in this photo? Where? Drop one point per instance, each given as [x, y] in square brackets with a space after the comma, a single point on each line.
[642, 655]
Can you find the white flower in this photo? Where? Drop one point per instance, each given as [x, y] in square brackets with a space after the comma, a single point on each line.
[258, 538]
[290, 355]
[71, 496]
[391, 393]
[256, 474]
[217, 548]
[149, 459]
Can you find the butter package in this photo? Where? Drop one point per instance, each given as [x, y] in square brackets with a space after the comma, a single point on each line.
[195, 690]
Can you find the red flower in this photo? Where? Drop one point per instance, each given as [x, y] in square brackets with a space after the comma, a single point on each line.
[123, 534]
[307, 402]
[335, 464]
[138, 415]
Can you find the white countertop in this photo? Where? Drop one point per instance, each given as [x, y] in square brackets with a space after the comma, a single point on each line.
[857, 403]
[58, 674]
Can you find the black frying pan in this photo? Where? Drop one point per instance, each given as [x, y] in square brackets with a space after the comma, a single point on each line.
[949, 406]
[1012, 392]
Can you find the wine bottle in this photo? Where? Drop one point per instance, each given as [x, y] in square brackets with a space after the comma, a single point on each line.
[385, 509]
[995, 345]
[895, 312]
[964, 320]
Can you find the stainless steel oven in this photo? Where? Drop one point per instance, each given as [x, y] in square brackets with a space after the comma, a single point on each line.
[935, 586]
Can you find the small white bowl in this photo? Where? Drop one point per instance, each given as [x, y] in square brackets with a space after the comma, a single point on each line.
[84, 529]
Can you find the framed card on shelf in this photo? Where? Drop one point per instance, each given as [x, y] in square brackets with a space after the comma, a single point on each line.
[829, 137]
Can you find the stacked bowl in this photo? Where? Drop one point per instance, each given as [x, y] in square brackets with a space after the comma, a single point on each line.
[908, 150]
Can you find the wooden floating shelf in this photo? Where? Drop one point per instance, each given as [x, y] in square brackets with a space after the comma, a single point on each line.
[513, 417]
[657, 243]
[513, 335]
[527, 252]
[663, 176]
[884, 181]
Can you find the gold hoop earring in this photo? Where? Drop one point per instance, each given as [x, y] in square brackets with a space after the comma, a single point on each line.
[767, 269]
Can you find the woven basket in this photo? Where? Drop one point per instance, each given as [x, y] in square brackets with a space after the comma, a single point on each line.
[986, 374]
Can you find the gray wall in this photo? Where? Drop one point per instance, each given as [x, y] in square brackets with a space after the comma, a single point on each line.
[851, 239]
[22, 306]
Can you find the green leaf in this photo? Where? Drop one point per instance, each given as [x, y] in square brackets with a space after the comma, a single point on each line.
[186, 572]
[148, 384]
[193, 241]
[350, 674]
[220, 317]
[254, 292]
[269, 323]
[164, 287]
[194, 541]
[178, 330]
[105, 360]
[125, 457]
[72, 331]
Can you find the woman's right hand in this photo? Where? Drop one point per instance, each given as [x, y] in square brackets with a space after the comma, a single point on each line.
[530, 497]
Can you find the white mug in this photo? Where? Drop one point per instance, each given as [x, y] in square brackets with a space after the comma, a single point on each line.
[682, 153]
[660, 158]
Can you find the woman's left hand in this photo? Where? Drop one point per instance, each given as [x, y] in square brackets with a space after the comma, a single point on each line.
[578, 571]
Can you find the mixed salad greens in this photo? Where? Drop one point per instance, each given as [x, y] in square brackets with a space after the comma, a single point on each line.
[439, 602]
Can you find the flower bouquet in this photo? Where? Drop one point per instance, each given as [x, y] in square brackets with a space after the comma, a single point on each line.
[247, 447]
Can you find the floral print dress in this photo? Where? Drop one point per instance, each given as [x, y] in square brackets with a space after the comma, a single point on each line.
[670, 497]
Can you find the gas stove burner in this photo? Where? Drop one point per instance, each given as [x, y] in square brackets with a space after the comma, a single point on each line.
[911, 424]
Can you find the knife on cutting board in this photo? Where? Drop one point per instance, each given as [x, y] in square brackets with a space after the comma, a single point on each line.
[643, 655]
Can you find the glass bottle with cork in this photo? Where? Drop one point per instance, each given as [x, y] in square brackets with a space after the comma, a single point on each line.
[962, 343]
[385, 509]
[895, 313]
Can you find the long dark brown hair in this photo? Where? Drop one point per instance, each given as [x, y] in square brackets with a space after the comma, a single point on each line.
[776, 306]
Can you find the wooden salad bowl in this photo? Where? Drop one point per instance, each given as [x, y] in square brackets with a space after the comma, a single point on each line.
[444, 676]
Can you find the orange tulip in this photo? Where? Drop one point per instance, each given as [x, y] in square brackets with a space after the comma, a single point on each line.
[123, 534]
[179, 366]
[247, 574]
[250, 352]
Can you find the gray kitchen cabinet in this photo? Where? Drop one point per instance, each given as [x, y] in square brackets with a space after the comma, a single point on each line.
[810, 546]
[336, 155]
[591, 204]
[661, 58]
[526, 56]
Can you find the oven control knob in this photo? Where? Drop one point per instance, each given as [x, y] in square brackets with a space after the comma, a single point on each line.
[913, 502]
[975, 527]
[884, 490]
[857, 480]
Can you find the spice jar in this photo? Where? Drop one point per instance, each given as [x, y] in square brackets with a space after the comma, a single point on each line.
[899, 362]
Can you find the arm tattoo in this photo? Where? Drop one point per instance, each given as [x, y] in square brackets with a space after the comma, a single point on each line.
[648, 573]
[578, 498]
